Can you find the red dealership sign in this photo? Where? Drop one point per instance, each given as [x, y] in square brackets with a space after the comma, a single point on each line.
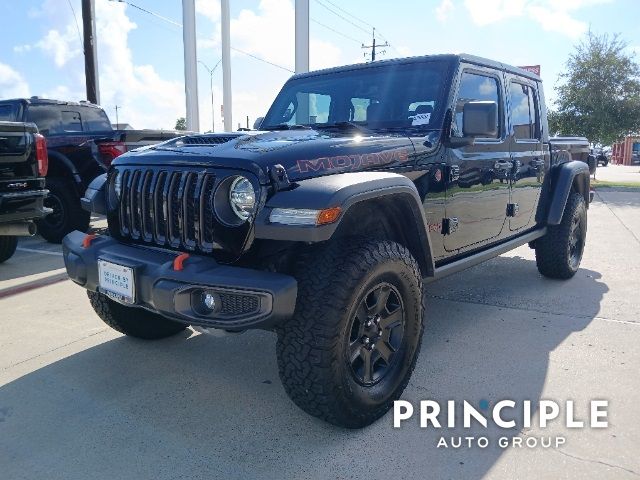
[532, 68]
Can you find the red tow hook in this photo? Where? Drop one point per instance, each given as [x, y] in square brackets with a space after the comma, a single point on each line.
[178, 262]
[88, 238]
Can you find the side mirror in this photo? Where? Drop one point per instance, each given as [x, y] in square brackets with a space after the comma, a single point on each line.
[258, 123]
[480, 119]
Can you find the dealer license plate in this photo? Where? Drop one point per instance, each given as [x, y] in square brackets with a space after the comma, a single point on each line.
[116, 281]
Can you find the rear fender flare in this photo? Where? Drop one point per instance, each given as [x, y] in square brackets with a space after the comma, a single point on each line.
[573, 175]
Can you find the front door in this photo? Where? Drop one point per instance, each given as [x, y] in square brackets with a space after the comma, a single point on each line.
[528, 153]
[477, 176]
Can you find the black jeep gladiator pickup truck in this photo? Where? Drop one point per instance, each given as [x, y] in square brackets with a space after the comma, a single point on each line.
[23, 165]
[364, 183]
[82, 144]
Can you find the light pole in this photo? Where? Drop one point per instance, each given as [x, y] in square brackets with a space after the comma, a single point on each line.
[211, 70]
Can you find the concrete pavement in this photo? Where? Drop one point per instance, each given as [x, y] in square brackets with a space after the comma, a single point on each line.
[79, 401]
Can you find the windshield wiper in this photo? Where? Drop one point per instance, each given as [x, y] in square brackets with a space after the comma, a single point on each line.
[341, 126]
[286, 126]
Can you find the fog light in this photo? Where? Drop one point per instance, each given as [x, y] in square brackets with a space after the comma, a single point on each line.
[209, 301]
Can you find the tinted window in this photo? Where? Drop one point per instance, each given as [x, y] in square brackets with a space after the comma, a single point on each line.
[476, 87]
[54, 119]
[523, 111]
[390, 96]
[9, 112]
[71, 121]
[94, 119]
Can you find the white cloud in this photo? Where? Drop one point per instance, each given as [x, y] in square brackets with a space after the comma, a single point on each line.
[62, 46]
[444, 10]
[209, 9]
[551, 15]
[12, 84]
[144, 98]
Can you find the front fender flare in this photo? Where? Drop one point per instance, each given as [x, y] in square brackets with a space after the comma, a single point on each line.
[342, 190]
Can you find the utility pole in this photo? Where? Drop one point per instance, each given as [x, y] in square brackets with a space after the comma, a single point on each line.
[190, 64]
[302, 36]
[225, 20]
[117, 119]
[373, 46]
[90, 51]
[302, 55]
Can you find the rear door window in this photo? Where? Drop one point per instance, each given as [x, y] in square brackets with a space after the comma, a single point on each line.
[524, 112]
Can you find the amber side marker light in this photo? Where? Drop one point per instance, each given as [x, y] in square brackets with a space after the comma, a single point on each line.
[328, 215]
[304, 216]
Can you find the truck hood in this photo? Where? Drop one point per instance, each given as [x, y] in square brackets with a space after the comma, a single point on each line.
[303, 153]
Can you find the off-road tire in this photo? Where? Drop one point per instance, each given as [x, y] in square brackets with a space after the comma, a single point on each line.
[68, 214]
[8, 245]
[132, 321]
[554, 255]
[312, 347]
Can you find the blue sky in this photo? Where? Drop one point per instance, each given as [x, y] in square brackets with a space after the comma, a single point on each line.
[141, 63]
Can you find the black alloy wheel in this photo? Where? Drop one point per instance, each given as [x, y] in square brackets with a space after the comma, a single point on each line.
[377, 331]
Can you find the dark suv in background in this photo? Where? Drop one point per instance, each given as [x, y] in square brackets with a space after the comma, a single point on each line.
[81, 145]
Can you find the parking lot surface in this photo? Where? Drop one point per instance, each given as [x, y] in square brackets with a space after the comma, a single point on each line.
[79, 401]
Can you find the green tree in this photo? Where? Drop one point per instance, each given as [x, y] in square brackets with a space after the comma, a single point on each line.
[181, 124]
[599, 93]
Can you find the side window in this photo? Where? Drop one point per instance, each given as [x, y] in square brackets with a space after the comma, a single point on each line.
[474, 86]
[524, 111]
[359, 111]
[71, 121]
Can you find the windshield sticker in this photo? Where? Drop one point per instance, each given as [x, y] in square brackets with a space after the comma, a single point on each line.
[421, 119]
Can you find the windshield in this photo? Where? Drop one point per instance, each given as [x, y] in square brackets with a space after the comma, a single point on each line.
[9, 112]
[401, 96]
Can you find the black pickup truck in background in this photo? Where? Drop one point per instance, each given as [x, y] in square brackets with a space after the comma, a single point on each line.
[23, 164]
[81, 145]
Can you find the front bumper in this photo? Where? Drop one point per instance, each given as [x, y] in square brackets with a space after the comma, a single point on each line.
[246, 298]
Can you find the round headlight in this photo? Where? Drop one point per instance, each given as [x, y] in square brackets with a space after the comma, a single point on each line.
[242, 197]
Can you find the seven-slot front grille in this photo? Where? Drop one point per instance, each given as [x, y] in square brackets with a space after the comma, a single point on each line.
[168, 208]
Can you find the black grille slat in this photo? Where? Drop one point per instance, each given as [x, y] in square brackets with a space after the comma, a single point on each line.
[148, 215]
[134, 204]
[159, 211]
[188, 211]
[174, 210]
[206, 200]
[168, 208]
[125, 219]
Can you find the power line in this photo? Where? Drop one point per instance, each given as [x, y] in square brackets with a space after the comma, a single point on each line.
[262, 59]
[180, 25]
[77, 26]
[157, 15]
[350, 14]
[335, 31]
[359, 27]
[355, 17]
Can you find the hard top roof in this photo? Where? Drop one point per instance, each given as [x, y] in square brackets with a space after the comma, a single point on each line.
[49, 101]
[462, 57]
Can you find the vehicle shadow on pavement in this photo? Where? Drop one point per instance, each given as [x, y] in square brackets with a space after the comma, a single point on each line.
[214, 408]
[25, 263]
